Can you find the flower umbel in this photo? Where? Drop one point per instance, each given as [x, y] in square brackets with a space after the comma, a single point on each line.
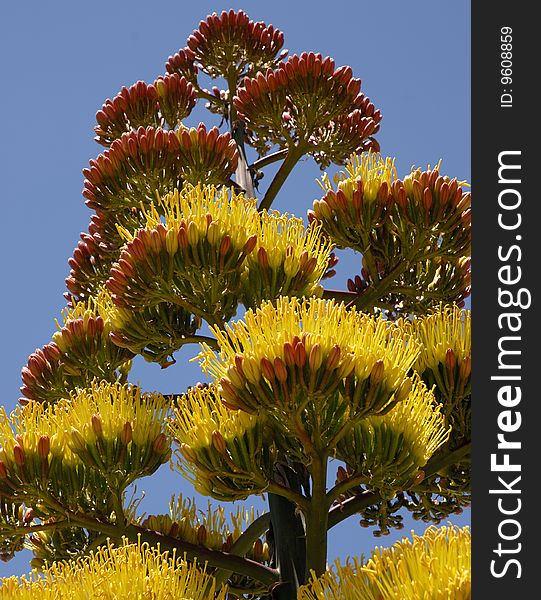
[434, 566]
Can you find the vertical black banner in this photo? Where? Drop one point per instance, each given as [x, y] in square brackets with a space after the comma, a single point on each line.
[505, 303]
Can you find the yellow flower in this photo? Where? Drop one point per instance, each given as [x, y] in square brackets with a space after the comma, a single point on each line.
[127, 571]
[288, 259]
[220, 450]
[434, 566]
[113, 430]
[310, 364]
[391, 448]
[211, 528]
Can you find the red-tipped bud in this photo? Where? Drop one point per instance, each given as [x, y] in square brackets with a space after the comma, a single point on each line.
[289, 354]
[316, 357]
[44, 446]
[450, 360]
[465, 368]
[19, 455]
[126, 435]
[300, 354]
[159, 443]
[218, 442]
[97, 425]
[202, 535]
[376, 374]
[267, 369]
[280, 369]
[333, 357]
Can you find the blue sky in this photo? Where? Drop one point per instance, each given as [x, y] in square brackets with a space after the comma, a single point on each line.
[59, 61]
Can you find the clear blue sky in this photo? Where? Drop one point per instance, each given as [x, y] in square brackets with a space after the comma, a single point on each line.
[60, 60]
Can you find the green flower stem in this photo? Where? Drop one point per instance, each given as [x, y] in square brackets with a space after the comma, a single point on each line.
[351, 506]
[268, 160]
[25, 529]
[344, 486]
[317, 519]
[340, 295]
[199, 339]
[295, 497]
[294, 154]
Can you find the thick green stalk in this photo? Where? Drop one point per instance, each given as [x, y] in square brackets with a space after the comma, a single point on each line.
[317, 519]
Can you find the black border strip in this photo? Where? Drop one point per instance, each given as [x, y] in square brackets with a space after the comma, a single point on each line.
[505, 269]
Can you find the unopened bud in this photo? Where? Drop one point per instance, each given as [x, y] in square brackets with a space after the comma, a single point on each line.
[403, 390]
[258, 549]
[18, 455]
[97, 425]
[225, 245]
[450, 360]
[263, 258]
[289, 353]
[3, 470]
[201, 535]
[126, 434]
[465, 368]
[300, 354]
[376, 374]
[267, 369]
[250, 244]
[78, 443]
[280, 369]
[44, 446]
[316, 357]
[333, 358]
[218, 442]
[159, 443]
[188, 453]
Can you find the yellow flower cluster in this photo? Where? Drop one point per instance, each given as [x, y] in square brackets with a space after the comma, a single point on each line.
[446, 329]
[220, 450]
[370, 168]
[391, 448]
[287, 259]
[434, 566]
[127, 571]
[111, 428]
[210, 528]
[307, 335]
[211, 209]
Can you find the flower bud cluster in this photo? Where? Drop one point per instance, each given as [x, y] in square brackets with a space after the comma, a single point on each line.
[106, 435]
[445, 362]
[414, 233]
[125, 571]
[231, 41]
[195, 259]
[312, 360]
[169, 100]
[210, 528]
[288, 259]
[390, 449]
[80, 351]
[155, 331]
[434, 565]
[221, 449]
[308, 102]
[361, 202]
